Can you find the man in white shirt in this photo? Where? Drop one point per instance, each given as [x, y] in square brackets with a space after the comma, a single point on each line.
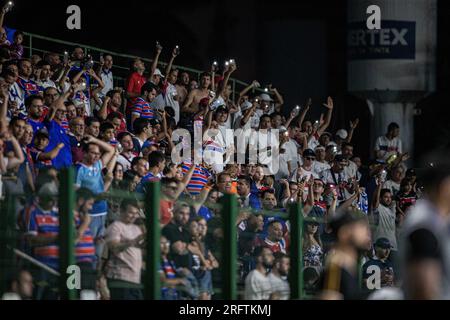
[44, 80]
[384, 215]
[396, 177]
[320, 164]
[389, 144]
[257, 283]
[242, 117]
[338, 177]
[171, 94]
[106, 74]
[278, 277]
[351, 168]
[306, 170]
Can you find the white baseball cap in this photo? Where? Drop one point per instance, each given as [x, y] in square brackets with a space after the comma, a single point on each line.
[246, 105]
[217, 103]
[158, 73]
[342, 133]
[265, 97]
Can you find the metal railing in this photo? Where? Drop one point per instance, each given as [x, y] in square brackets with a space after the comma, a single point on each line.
[38, 44]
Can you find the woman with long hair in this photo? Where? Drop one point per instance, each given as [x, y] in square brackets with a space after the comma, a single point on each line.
[312, 245]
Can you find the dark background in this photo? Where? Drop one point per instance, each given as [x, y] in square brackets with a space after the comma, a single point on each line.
[298, 46]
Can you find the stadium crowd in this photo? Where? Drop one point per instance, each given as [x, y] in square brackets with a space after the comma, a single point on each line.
[63, 110]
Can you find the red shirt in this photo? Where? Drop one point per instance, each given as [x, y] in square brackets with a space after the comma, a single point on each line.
[134, 84]
[165, 215]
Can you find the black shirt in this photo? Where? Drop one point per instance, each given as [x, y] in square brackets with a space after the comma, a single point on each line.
[175, 233]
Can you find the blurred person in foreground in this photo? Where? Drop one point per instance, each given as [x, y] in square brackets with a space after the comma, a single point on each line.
[340, 281]
[426, 236]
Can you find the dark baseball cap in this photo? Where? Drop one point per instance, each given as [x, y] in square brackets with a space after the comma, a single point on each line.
[312, 220]
[383, 243]
[42, 133]
[154, 122]
[339, 158]
[309, 153]
[222, 108]
[411, 172]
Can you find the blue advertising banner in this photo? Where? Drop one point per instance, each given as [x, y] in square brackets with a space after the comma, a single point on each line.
[395, 40]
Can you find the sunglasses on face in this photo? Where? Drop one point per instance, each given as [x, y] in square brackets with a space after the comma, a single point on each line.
[310, 158]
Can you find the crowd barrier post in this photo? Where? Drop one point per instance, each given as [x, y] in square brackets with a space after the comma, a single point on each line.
[229, 260]
[7, 232]
[152, 285]
[296, 250]
[67, 233]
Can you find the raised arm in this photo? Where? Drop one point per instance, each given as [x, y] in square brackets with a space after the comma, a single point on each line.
[279, 99]
[155, 59]
[103, 112]
[52, 154]
[99, 80]
[253, 85]
[291, 117]
[61, 80]
[376, 195]
[248, 113]
[78, 76]
[169, 65]
[17, 158]
[232, 67]
[109, 170]
[353, 125]
[182, 185]
[98, 89]
[3, 13]
[304, 112]
[329, 105]
[201, 198]
[60, 101]
[106, 147]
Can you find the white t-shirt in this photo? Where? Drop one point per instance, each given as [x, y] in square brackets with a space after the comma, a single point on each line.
[327, 178]
[17, 95]
[254, 120]
[351, 169]
[313, 143]
[262, 140]
[46, 84]
[214, 149]
[257, 286]
[386, 225]
[108, 81]
[171, 92]
[280, 286]
[125, 162]
[158, 103]
[291, 148]
[283, 171]
[124, 265]
[318, 167]
[300, 173]
[388, 147]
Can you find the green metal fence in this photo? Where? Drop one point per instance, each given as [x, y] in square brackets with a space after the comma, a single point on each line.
[151, 280]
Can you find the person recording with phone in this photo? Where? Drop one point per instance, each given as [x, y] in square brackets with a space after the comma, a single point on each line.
[337, 176]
